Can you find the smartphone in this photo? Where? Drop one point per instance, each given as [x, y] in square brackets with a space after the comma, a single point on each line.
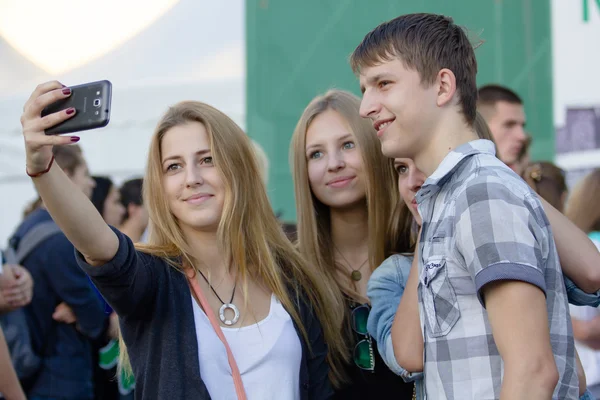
[92, 104]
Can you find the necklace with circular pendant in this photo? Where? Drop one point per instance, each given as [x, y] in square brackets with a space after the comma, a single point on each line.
[236, 314]
[225, 306]
[356, 275]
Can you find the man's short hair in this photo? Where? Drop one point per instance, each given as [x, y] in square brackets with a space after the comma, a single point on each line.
[131, 192]
[489, 95]
[426, 43]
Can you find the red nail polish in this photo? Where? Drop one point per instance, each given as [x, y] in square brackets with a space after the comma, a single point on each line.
[75, 139]
[70, 111]
[66, 91]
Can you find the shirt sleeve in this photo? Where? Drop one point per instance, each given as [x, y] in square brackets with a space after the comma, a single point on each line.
[73, 287]
[385, 289]
[128, 281]
[500, 234]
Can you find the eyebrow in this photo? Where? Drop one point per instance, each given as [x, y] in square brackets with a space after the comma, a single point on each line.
[177, 157]
[373, 80]
[314, 145]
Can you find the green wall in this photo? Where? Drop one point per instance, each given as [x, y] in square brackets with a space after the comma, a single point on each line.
[298, 49]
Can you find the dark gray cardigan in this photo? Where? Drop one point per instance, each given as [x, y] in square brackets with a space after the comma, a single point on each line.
[154, 305]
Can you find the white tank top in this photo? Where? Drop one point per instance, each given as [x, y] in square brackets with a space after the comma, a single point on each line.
[268, 355]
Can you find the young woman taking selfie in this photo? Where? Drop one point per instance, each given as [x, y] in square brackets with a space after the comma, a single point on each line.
[218, 304]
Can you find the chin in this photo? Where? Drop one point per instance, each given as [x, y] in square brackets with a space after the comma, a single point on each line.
[393, 150]
[206, 221]
[345, 202]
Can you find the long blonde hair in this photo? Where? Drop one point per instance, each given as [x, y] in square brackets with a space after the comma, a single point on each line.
[583, 207]
[249, 234]
[314, 225]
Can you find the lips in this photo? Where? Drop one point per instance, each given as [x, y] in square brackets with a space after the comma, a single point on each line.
[381, 124]
[414, 204]
[340, 181]
[198, 198]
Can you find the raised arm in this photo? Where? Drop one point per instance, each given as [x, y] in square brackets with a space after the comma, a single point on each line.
[69, 207]
[579, 257]
[385, 290]
[407, 337]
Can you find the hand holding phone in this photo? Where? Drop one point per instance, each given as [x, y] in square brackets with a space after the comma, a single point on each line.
[91, 101]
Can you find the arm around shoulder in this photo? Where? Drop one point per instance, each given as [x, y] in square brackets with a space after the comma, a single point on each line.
[385, 290]
[579, 257]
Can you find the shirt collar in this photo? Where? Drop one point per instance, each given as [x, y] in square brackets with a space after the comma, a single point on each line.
[452, 160]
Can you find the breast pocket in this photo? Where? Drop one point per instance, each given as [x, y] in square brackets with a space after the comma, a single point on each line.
[439, 298]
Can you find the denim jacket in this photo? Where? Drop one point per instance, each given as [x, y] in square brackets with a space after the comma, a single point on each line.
[385, 289]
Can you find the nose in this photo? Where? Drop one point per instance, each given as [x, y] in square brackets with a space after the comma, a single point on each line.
[520, 134]
[335, 161]
[415, 179]
[368, 106]
[193, 176]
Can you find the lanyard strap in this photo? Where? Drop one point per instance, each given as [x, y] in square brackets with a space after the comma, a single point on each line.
[235, 372]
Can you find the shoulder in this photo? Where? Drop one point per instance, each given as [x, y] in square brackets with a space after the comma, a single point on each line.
[494, 184]
[395, 268]
[57, 244]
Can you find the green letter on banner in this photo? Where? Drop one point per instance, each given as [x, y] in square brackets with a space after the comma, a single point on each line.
[586, 9]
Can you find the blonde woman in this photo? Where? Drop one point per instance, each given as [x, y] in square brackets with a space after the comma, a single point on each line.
[215, 249]
[345, 194]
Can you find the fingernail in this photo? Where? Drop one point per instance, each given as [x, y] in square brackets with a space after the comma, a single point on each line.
[75, 139]
[66, 91]
[70, 111]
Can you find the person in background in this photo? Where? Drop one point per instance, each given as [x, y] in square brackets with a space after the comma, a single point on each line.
[504, 113]
[10, 388]
[547, 180]
[106, 197]
[524, 158]
[65, 349]
[135, 220]
[16, 287]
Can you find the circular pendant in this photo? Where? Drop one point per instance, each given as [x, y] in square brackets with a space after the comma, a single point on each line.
[236, 314]
[356, 276]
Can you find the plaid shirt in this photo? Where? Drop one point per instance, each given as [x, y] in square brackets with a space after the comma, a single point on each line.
[482, 223]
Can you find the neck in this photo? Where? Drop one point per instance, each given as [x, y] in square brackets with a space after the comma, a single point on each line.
[449, 134]
[207, 252]
[133, 230]
[349, 232]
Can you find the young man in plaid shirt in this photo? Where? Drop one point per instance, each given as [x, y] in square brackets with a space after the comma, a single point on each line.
[493, 308]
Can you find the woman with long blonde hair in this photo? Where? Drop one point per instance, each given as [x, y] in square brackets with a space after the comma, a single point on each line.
[345, 196]
[218, 304]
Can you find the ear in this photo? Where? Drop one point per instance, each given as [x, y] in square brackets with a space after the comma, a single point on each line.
[446, 82]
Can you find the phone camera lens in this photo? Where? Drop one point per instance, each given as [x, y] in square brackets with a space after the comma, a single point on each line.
[97, 103]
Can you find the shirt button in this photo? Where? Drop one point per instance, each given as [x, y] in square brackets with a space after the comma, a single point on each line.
[305, 386]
